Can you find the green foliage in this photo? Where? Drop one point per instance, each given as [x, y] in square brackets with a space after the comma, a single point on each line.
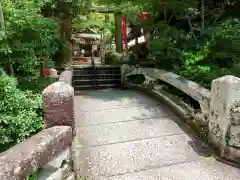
[136, 78]
[114, 58]
[21, 112]
[81, 178]
[199, 49]
[26, 36]
[34, 175]
[219, 56]
[35, 84]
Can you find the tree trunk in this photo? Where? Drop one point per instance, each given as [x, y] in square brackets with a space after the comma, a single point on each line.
[66, 32]
[1, 19]
[41, 67]
[118, 32]
[107, 18]
[89, 4]
[10, 65]
[202, 13]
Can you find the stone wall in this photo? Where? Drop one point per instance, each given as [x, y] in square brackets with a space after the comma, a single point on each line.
[220, 107]
[43, 149]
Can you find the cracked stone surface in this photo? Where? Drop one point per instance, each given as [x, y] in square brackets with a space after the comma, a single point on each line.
[125, 135]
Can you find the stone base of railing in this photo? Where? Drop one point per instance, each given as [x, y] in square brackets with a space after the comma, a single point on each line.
[49, 151]
[64, 172]
[233, 154]
[218, 119]
[195, 121]
[183, 110]
[24, 159]
[59, 167]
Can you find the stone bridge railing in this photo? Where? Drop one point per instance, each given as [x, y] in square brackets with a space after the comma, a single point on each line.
[220, 106]
[50, 150]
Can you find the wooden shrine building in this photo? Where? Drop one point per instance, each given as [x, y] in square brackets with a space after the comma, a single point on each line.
[85, 44]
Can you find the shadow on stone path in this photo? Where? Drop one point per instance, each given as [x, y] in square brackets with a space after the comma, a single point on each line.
[125, 135]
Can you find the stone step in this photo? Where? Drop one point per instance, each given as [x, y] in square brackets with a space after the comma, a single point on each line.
[97, 68]
[78, 72]
[97, 76]
[99, 72]
[100, 77]
[92, 86]
[96, 81]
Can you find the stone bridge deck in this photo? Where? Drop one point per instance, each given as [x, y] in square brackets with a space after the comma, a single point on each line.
[125, 135]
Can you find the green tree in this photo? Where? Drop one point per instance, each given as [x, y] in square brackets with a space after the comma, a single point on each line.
[26, 36]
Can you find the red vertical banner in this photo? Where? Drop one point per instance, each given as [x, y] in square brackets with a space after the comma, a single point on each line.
[124, 30]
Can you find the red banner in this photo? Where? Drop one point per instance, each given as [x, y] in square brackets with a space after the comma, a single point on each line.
[145, 16]
[124, 30]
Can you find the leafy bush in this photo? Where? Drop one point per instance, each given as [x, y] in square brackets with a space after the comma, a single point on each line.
[114, 58]
[26, 36]
[213, 54]
[35, 84]
[21, 112]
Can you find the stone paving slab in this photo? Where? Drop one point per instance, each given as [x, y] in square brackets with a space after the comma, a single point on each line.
[120, 158]
[125, 135]
[120, 115]
[99, 100]
[196, 170]
[127, 131]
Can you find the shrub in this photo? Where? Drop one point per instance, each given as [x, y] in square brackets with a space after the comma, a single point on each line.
[26, 36]
[21, 112]
[35, 84]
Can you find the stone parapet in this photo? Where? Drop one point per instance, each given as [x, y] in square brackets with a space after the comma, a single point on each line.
[58, 105]
[224, 119]
[194, 90]
[220, 107]
[25, 158]
[37, 152]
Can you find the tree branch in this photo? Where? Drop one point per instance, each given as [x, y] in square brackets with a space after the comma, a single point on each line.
[174, 12]
[191, 28]
[202, 13]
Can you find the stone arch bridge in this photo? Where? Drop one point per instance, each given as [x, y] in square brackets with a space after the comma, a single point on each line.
[140, 133]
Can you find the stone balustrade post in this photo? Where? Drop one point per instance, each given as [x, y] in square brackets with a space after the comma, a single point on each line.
[224, 117]
[59, 105]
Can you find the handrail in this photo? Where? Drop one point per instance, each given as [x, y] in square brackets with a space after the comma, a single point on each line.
[197, 92]
[93, 66]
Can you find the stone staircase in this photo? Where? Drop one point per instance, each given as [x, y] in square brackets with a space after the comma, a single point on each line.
[99, 77]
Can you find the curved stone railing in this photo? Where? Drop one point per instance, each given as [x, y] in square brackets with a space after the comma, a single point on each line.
[197, 92]
[50, 149]
[220, 107]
